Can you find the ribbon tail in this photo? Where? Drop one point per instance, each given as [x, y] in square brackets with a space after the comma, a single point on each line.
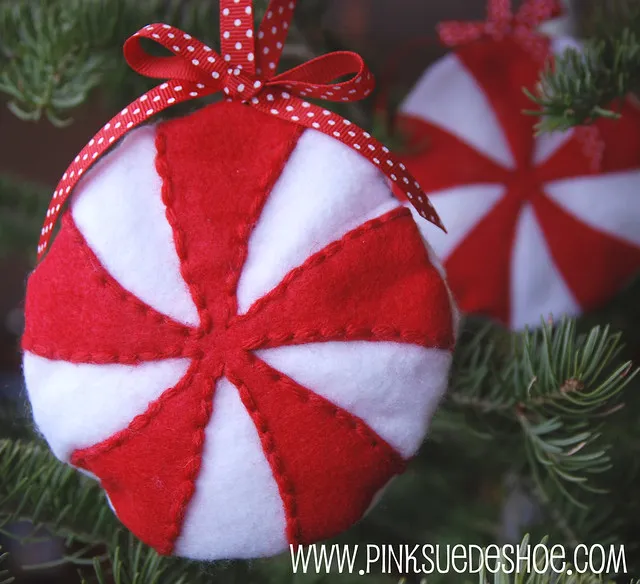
[272, 35]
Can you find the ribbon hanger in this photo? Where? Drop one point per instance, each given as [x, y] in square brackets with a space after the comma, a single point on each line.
[245, 71]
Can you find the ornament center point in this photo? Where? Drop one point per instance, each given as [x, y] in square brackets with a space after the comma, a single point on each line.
[524, 184]
[214, 346]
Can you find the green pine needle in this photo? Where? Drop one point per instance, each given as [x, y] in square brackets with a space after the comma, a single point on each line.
[5, 577]
[546, 394]
[589, 83]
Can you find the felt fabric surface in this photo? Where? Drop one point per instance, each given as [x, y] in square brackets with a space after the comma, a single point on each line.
[118, 209]
[76, 311]
[149, 467]
[436, 98]
[325, 190]
[534, 275]
[97, 400]
[233, 458]
[521, 210]
[350, 462]
[392, 387]
[382, 290]
[236, 493]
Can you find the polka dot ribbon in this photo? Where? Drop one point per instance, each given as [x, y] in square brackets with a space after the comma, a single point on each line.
[501, 22]
[523, 26]
[245, 72]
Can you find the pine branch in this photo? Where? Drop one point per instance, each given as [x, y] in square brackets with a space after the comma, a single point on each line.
[5, 577]
[36, 487]
[537, 575]
[129, 561]
[54, 53]
[574, 525]
[545, 394]
[590, 83]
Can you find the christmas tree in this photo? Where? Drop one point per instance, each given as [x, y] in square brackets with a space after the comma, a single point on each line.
[536, 438]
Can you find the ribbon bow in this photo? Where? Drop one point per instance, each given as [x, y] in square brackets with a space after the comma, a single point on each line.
[245, 72]
[501, 22]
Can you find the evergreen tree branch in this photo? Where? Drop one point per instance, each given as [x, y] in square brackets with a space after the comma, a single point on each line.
[573, 525]
[131, 562]
[546, 393]
[589, 83]
[54, 53]
[5, 577]
[36, 487]
[537, 575]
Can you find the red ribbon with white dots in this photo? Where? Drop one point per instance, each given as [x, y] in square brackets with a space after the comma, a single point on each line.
[245, 72]
[502, 22]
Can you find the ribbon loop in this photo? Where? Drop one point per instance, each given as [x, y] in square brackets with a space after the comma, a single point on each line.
[192, 61]
[326, 71]
[245, 72]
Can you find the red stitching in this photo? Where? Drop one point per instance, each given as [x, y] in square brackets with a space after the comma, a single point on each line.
[201, 366]
[206, 322]
[285, 484]
[348, 333]
[245, 229]
[105, 280]
[318, 258]
[102, 358]
[193, 466]
[179, 237]
[311, 398]
[138, 423]
[192, 469]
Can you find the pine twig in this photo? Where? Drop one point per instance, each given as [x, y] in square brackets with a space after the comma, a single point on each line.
[545, 394]
[36, 487]
[590, 83]
[5, 577]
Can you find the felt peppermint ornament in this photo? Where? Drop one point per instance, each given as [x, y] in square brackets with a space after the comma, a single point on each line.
[238, 328]
[538, 226]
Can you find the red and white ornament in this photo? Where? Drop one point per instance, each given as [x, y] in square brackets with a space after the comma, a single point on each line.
[239, 331]
[537, 226]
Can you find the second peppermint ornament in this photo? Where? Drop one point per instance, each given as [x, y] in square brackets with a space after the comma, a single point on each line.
[538, 226]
